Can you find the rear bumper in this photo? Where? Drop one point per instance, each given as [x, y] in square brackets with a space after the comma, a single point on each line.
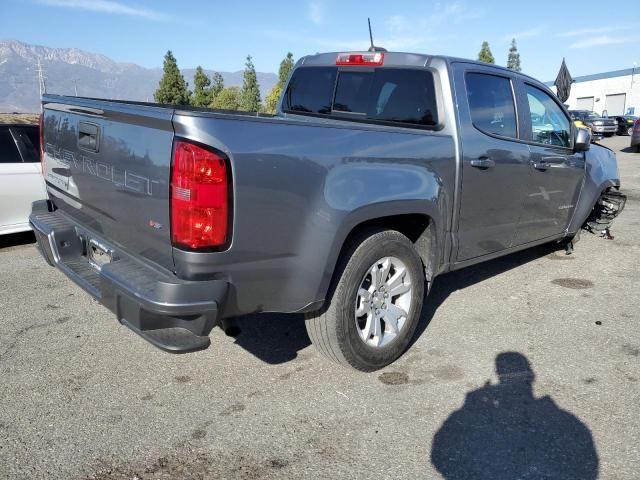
[173, 314]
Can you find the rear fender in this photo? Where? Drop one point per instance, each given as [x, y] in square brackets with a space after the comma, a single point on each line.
[405, 189]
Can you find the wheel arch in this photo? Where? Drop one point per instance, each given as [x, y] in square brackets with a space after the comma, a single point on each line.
[412, 219]
[587, 203]
[601, 174]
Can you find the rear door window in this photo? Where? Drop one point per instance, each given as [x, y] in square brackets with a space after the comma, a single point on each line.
[8, 150]
[491, 104]
[383, 95]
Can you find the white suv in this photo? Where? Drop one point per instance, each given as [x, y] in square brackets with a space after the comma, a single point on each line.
[21, 179]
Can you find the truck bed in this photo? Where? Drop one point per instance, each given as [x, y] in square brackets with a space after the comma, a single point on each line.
[299, 184]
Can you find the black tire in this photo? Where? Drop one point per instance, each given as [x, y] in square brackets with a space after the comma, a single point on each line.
[333, 329]
[630, 131]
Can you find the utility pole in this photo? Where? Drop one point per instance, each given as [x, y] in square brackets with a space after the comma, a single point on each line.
[42, 85]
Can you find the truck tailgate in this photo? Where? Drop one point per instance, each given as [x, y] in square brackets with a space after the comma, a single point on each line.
[107, 165]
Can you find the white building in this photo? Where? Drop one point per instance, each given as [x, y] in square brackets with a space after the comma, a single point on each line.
[615, 93]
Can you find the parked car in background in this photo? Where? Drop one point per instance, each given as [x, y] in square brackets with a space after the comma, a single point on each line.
[21, 181]
[625, 124]
[635, 137]
[600, 126]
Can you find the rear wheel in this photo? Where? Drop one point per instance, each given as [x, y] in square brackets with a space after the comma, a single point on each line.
[374, 304]
[630, 131]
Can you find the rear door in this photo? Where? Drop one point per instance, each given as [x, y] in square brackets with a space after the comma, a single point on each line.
[495, 170]
[107, 165]
[557, 171]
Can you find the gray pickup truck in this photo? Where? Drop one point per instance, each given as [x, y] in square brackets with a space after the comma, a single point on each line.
[379, 172]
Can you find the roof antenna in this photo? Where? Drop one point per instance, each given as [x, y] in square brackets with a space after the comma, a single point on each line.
[373, 48]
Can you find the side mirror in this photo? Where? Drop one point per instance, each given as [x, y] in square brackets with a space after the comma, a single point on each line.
[582, 140]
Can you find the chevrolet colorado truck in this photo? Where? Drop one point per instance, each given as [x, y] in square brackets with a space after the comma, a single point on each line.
[379, 172]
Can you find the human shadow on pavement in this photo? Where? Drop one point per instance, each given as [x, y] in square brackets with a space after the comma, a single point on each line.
[503, 432]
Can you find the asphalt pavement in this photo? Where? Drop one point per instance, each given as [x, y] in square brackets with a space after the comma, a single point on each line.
[526, 367]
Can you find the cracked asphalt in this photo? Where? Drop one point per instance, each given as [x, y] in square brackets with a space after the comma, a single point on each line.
[83, 397]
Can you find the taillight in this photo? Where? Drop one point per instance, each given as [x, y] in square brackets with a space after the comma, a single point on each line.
[360, 59]
[199, 197]
[637, 127]
[41, 130]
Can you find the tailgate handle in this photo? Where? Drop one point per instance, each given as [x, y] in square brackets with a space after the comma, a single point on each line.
[482, 162]
[88, 136]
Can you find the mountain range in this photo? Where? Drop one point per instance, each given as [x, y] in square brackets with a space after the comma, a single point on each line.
[67, 70]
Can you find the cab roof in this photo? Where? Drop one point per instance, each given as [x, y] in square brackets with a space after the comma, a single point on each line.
[402, 59]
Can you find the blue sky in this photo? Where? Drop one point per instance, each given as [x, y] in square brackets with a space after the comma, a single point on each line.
[594, 36]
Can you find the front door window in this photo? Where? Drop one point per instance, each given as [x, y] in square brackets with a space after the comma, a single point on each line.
[549, 124]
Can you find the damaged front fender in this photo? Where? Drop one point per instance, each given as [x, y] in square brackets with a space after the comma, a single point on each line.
[600, 200]
[607, 207]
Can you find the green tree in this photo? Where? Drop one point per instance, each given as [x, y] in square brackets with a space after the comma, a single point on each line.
[227, 99]
[513, 61]
[271, 102]
[217, 84]
[250, 92]
[286, 66]
[172, 88]
[485, 54]
[201, 89]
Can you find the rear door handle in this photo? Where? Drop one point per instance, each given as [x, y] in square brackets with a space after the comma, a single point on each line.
[482, 162]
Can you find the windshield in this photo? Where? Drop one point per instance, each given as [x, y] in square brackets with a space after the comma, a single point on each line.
[592, 116]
